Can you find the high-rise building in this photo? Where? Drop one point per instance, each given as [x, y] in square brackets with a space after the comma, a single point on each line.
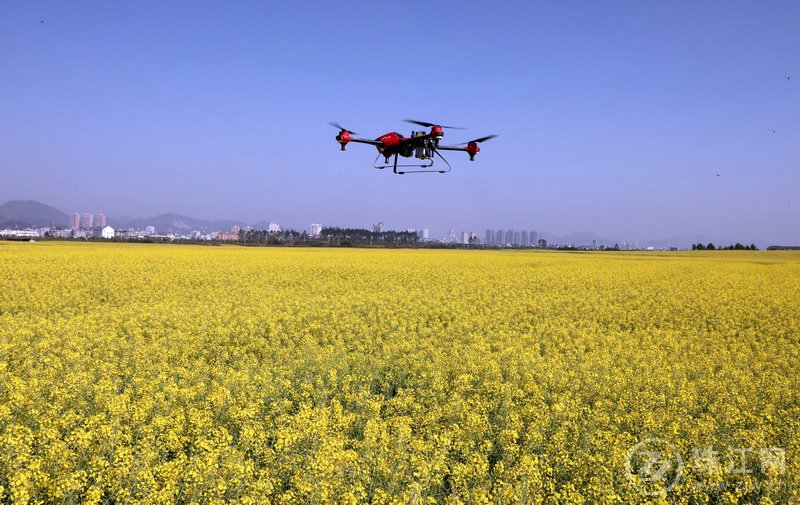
[509, 237]
[422, 234]
[465, 237]
[274, 228]
[377, 227]
[86, 221]
[498, 237]
[517, 238]
[235, 229]
[489, 237]
[534, 238]
[316, 230]
[75, 221]
[100, 220]
[451, 237]
[524, 239]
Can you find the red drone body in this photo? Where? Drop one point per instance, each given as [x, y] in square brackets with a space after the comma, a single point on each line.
[422, 145]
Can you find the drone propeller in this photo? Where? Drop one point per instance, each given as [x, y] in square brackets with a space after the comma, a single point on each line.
[431, 125]
[478, 141]
[342, 128]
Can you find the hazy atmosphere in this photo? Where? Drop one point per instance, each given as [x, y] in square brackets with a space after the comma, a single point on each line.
[629, 120]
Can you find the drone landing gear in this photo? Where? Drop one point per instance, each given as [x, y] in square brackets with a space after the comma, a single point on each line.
[395, 166]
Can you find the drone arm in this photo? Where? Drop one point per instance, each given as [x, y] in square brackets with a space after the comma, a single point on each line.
[367, 141]
[450, 148]
[472, 149]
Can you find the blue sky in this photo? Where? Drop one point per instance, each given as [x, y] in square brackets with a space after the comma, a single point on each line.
[613, 117]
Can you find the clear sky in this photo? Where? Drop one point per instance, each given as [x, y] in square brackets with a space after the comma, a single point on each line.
[613, 117]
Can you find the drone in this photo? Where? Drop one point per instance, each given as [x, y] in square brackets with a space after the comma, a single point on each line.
[422, 145]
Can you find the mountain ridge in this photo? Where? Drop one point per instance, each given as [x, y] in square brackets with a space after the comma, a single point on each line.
[30, 213]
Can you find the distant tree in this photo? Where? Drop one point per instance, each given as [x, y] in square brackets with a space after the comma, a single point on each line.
[710, 247]
[698, 247]
[753, 247]
[354, 236]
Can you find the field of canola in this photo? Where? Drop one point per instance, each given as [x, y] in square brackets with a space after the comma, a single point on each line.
[159, 374]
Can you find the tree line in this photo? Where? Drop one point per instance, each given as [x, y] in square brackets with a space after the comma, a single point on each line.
[329, 236]
[736, 247]
[361, 236]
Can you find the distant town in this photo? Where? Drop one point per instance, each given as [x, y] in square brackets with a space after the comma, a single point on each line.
[95, 227]
[25, 220]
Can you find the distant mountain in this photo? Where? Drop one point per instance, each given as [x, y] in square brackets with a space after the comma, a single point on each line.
[29, 213]
[175, 222]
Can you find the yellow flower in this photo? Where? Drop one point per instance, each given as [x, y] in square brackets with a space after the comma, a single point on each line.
[158, 373]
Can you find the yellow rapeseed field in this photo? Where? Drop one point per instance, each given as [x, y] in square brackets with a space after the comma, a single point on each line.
[157, 374]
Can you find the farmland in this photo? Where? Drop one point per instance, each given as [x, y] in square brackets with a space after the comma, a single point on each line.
[158, 373]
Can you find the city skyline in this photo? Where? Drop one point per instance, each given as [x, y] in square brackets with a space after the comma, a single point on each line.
[451, 235]
[95, 225]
